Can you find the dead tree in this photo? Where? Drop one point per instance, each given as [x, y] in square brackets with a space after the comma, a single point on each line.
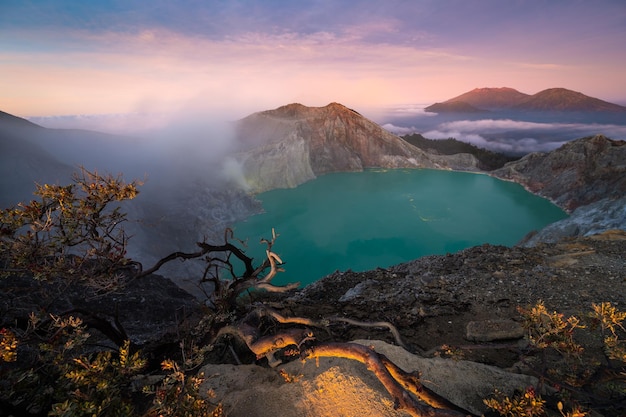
[220, 271]
[295, 333]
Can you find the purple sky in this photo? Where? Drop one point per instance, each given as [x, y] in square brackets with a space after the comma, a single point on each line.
[231, 58]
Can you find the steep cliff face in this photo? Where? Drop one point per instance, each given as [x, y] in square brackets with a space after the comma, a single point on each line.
[294, 143]
[578, 173]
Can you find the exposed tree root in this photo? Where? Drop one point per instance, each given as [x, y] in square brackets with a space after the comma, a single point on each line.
[324, 323]
[394, 331]
[392, 377]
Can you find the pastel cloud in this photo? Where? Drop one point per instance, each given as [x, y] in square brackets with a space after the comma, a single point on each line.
[63, 56]
[123, 70]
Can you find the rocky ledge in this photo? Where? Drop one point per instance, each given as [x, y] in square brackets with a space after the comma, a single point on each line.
[578, 173]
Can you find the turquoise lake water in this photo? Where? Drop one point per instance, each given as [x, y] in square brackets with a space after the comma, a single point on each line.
[378, 218]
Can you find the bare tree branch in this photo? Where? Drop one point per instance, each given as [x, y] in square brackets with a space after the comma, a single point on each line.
[394, 331]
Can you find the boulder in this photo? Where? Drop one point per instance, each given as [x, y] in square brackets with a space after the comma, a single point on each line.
[343, 387]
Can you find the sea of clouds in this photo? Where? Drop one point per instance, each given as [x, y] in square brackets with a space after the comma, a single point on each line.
[511, 135]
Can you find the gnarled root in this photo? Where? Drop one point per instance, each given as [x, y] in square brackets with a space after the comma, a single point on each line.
[392, 377]
[268, 345]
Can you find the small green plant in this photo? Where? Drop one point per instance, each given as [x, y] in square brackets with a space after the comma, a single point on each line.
[552, 330]
[8, 346]
[65, 378]
[99, 386]
[452, 352]
[610, 321]
[69, 231]
[569, 368]
[526, 404]
[179, 395]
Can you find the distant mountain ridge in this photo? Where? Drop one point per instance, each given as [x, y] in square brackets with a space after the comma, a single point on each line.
[490, 98]
[9, 121]
[505, 98]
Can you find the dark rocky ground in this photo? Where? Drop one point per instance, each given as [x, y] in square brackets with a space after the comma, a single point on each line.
[432, 299]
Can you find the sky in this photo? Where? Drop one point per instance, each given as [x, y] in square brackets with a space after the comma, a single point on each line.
[232, 58]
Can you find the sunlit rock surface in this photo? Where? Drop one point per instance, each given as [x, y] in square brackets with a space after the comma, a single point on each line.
[343, 387]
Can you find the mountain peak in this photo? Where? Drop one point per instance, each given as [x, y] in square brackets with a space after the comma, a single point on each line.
[299, 110]
[291, 144]
[493, 89]
[562, 99]
[490, 98]
[552, 99]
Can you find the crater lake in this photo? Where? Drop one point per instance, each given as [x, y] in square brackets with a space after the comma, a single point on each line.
[378, 218]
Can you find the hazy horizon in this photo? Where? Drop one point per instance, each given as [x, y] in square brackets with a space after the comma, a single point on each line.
[229, 59]
[513, 133]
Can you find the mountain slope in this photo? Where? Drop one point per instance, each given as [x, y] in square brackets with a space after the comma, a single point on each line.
[453, 107]
[9, 121]
[24, 162]
[295, 143]
[561, 99]
[490, 98]
[578, 173]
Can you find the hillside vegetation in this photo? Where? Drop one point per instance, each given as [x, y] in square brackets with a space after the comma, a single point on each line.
[488, 160]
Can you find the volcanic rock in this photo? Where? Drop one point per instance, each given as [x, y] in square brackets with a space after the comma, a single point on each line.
[337, 386]
[594, 218]
[578, 173]
[294, 143]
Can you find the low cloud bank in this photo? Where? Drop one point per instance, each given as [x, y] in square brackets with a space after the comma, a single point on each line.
[520, 137]
[506, 135]
[399, 130]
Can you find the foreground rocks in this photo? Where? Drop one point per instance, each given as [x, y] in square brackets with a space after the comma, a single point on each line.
[452, 300]
[341, 387]
[432, 299]
[149, 310]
